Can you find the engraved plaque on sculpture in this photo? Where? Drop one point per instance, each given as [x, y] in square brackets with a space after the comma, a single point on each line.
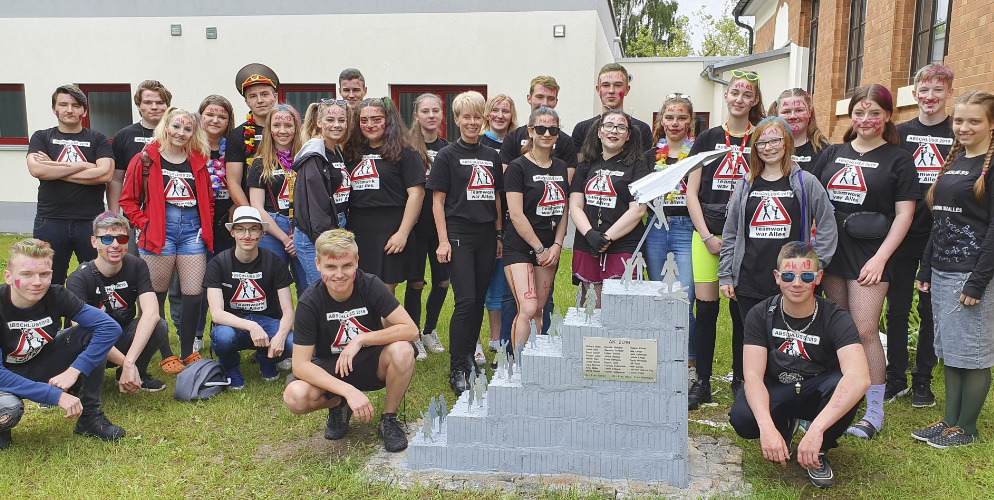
[629, 360]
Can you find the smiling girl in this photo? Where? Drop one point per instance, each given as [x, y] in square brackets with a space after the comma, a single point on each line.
[795, 107]
[167, 196]
[873, 186]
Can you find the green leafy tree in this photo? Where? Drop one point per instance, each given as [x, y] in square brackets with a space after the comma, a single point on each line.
[651, 19]
[676, 43]
[722, 37]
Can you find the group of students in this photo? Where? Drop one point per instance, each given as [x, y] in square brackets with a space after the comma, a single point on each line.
[488, 213]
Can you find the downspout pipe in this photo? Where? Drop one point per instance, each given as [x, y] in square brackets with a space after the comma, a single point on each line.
[736, 13]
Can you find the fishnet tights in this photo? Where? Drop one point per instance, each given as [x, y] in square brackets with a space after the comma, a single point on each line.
[864, 304]
[190, 268]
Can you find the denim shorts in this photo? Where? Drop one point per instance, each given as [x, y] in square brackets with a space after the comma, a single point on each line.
[183, 232]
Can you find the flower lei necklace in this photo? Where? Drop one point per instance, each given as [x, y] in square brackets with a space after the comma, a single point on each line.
[662, 154]
[249, 134]
[216, 170]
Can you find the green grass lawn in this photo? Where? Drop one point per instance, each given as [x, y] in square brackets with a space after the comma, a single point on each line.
[245, 444]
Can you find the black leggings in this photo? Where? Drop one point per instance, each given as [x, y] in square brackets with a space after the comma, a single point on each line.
[425, 243]
[707, 331]
[474, 250]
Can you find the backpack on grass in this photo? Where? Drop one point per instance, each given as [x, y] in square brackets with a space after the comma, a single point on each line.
[203, 379]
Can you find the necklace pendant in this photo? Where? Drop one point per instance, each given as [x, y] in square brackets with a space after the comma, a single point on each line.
[599, 222]
[797, 387]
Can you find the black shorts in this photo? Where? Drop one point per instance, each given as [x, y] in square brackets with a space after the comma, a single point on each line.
[363, 374]
[517, 251]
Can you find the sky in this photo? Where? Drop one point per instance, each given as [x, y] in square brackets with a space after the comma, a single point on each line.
[688, 7]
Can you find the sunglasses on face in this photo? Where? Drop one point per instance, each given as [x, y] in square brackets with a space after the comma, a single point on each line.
[789, 276]
[341, 102]
[542, 129]
[107, 239]
[748, 75]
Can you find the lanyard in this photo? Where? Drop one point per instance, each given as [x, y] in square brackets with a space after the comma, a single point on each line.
[745, 139]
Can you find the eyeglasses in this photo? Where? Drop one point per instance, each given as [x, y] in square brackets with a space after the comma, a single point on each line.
[341, 102]
[681, 96]
[241, 231]
[107, 239]
[773, 143]
[542, 129]
[748, 75]
[614, 127]
[789, 276]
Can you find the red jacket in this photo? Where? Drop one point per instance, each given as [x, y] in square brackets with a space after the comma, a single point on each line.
[150, 220]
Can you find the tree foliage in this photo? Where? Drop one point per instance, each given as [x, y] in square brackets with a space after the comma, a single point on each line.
[651, 28]
[677, 44]
[652, 19]
[722, 37]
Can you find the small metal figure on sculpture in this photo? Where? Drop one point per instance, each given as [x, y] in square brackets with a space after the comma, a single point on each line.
[590, 303]
[639, 267]
[557, 324]
[443, 409]
[432, 410]
[672, 288]
[626, 277]
[480, 388]
[426, 427]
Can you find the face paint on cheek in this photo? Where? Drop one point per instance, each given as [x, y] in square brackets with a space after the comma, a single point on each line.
[17, 284]
[621, 93]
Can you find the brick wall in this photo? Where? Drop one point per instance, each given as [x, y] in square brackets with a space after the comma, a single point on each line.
[764, 36]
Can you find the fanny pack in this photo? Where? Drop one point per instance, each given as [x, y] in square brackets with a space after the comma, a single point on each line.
[714, 216]
[864, 225]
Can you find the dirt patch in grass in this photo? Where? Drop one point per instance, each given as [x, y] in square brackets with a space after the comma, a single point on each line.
[315, 448]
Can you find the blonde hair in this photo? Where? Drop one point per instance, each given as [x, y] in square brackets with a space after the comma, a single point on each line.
[469, 101]
[198, 143]
[986, 100]
[312, 121]
[756, 164]
[658, 132]
[31, 248]
[336, 243]
[545, 81]
[814, 134]
[267, 148]
[491, 104]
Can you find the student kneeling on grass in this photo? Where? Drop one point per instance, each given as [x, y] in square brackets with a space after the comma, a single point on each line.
[802, 360]
[40, 362]
[248, 291]
[352, 336]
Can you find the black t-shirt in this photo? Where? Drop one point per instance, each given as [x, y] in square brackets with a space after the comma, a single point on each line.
[24, 332]
[61, 199]
[128, 142]
[806, 157]
[122, 289]
[222, 203]
[426, 220]
[961, 224]
[378, 183]
[793, 355]
[277, 188]
[773, 216]
[249, 288]
[178, 183]
[676, 201]
[344, 190]
[721, 176]
[544, 192]
[470, 175]
[872, 182]
[564, 148]
[235, 150]
[929, 146]
[486, 140]
[581, 130]
[329, 325]
[604, 185]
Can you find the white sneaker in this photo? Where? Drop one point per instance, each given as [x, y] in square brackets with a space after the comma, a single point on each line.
[420, 347]
[432, 343]
[480, 358]
[691, 376]
[494, 345]
[198, 344]
[285, 365]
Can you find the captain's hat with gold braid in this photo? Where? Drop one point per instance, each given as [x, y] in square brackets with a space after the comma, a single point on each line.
[255, 73]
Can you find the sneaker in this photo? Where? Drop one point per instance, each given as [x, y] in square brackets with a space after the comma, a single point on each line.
[337, 426]
[691, 377]
[419, 346]
[953, 436]
[286, 365]
[392, 432]
[269, 372]
[44, 406]
[822, 477]
[934, 430]
[493, 346]
[236, 378]
[152, 384]
[432, 343]
[479, 358]
[802, 425]
[198, 344]
[921, 394]
[895, 389]
[458, 382]
[699, 394]
[98, 426]
[5, 439]
[736, 386]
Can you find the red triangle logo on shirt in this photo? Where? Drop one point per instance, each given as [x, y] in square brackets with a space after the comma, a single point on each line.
[285, 192]
[349, 330]
[248, 291]
[770, 213]
[346, 181]
[71, 153]
[481, 178]
[733, 166]
[927, 157]
[365, 170]
[600, 185]
[179, 190]
[850, 178]
[115, 301]
[794, 348]
[553, 195]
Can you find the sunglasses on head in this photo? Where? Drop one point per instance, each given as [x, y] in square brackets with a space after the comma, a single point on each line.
[107, 239]
[748, 75]
[341, 102]
[681, 96]
[789, 276]
[542, 129]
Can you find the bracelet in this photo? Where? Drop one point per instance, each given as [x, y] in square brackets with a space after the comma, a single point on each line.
[608, 238]
[558, 243]
[705, 240]
[540, 250]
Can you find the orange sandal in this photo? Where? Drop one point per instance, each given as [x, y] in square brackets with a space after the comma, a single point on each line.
[193, 358]
[172, 365]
